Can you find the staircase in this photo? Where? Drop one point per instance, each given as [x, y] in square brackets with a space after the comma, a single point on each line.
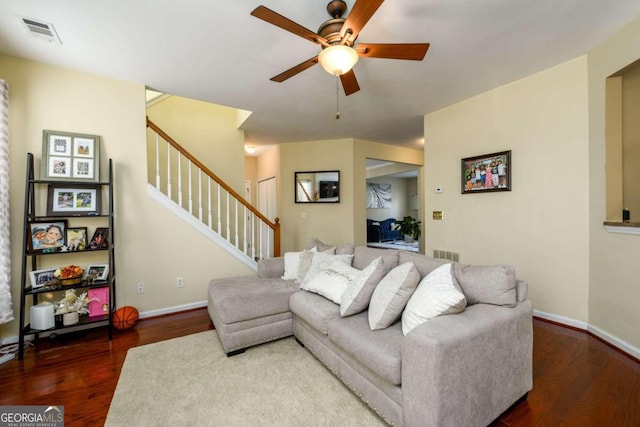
[194, 193]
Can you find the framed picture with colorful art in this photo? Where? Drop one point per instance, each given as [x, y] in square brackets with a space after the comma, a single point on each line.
[488, 172]
[47, 236]
[80, 200]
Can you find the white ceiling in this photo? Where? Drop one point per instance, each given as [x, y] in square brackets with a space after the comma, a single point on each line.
[215, 51]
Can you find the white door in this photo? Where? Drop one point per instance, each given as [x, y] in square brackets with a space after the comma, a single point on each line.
[268, 207]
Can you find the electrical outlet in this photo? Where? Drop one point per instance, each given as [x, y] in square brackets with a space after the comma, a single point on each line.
[140, 288]
[180, 282]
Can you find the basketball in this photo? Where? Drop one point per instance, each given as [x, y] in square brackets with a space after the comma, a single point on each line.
[125, 317]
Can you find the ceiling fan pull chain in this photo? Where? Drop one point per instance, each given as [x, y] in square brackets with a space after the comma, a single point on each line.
[337, 98]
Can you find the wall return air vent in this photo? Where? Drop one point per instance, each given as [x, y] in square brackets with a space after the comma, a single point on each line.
[41, 29]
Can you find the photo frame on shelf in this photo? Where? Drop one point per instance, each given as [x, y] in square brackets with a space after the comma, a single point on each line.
[99, 239]
[80, 200]
[39, 278]
[47, 236]
[70, 156]
[77, 238]
[488, 172]
[97, 271]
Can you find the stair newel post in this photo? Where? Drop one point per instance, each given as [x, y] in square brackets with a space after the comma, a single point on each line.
[276, 238]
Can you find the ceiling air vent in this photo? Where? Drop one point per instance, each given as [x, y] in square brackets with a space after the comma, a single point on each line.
[42, 30]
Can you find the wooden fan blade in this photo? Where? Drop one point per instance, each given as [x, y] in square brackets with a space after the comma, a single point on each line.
[295, 70]
[410, 51]
[287, 24]
[349, 83]
[360, 14]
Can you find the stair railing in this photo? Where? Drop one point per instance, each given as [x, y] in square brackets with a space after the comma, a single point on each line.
[219, 207]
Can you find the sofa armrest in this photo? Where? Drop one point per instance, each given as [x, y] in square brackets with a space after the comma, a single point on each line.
[271, 268]
[467, 368]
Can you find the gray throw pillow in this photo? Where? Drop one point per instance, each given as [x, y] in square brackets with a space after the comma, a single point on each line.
[488, 284]
[356, 297]
[391, 295]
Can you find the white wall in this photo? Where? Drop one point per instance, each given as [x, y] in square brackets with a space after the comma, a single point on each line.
[541, 226]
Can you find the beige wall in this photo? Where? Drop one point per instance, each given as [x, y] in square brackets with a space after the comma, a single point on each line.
[330, 222]
[541, 227]
[207, 131]
[631, 142]
[614, 289]
[153, 247]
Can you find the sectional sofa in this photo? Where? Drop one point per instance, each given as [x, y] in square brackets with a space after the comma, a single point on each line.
[423, 342]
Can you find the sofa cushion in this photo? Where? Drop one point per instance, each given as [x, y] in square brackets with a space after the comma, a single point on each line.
[489, 284]
[292, 263]
[391, 295]
[319, 261]
[423, 263]
[436, 295]
[380, 351]
[332, 281]
[358, 293]
[237, 299]
[363, 255]
[314, 242]
[314, 309]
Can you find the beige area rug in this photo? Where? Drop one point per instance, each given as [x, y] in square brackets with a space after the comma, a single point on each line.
[189, 381]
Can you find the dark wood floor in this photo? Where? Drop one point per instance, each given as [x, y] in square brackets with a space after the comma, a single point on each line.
[578, 380]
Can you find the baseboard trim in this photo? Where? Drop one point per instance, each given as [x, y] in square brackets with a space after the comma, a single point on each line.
[172, 310]
[605, 337]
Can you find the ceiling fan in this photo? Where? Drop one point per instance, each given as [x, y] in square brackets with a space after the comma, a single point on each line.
[337, 36]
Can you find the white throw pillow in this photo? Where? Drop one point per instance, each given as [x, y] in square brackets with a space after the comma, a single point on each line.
[391, 295]
[291, 263]
[436, 295]
[358, 294]
[306, 257]
[321, 261]
[332, 281]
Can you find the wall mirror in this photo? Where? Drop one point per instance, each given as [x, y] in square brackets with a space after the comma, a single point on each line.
[317, 187]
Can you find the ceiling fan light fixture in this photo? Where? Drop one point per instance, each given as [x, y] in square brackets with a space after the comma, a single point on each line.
[338, 59]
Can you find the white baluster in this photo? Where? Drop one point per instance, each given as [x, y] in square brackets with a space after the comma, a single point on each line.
[219, 213]
[253, 236]
[209, 201]
[190, 191]
[228, 221]
[169, 170]
[199, 194]
[245, 226]
[179, 179]
[157, 162]
[236, 215]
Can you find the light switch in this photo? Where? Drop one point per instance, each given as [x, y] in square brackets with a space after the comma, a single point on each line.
[437, 215]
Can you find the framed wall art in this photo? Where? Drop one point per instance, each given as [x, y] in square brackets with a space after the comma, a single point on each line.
[80, 200]
[70, 156]
[39, 278]
[489, 172]
[77, 238]
[47, 236]
[378, 195]
[99, 239]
